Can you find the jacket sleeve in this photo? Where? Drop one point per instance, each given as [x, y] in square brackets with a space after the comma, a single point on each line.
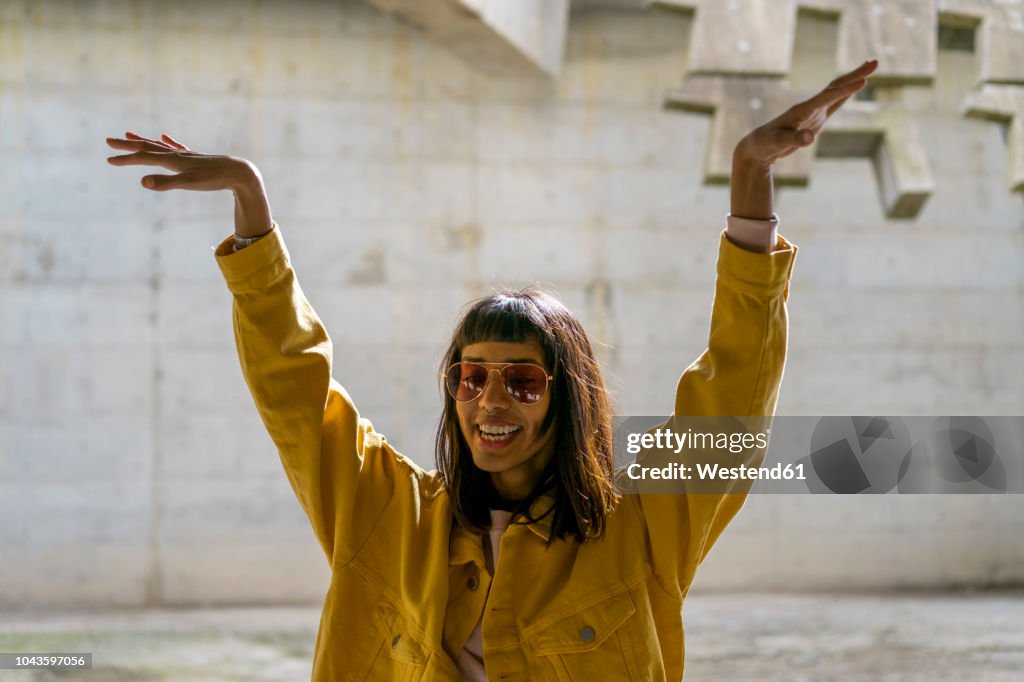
[738, 375]
[286, 355]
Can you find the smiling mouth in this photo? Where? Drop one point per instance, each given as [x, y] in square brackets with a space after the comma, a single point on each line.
[498, 435]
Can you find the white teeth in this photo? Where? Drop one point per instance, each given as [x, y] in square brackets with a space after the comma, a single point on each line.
[494, 433]
[487, 436]
[493, 429]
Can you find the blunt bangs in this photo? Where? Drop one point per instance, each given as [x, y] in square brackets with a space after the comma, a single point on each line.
[508, 316]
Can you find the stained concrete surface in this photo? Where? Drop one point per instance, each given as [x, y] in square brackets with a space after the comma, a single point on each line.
[134, 468]
[740, 637]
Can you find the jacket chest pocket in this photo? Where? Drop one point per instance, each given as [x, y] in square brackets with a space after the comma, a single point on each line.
[395, 654]
[591, 644]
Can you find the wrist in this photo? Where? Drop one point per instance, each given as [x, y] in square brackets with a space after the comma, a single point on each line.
[751, 186]
[252, 207]
[745, 161]
[247, 181]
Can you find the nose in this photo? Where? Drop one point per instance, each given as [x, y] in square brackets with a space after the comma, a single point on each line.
[494, 396]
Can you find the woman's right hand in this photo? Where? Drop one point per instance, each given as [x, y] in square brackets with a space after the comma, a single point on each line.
[200, 172]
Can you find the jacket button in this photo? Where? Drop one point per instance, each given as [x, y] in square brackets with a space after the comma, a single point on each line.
[586, 633]
[395, 641]
[473, 582]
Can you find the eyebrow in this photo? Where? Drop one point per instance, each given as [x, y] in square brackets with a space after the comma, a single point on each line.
[532, 361]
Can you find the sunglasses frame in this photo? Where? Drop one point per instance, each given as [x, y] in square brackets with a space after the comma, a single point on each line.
[498, 367]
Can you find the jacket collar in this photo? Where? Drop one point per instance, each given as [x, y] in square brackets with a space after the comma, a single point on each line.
[465, 546]
[542, 509]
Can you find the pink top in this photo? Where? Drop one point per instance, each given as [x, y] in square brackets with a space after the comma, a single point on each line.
[471, 660]
[753, 235]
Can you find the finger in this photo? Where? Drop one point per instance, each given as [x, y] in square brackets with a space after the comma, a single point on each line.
[174, 143]
[119, 143]
[169, 160]
[135, 136]
[827, 97]
[836, 105]
[862, 71]
[162, 183]
[137, 145]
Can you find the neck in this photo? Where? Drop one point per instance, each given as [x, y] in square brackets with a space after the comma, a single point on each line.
[509, 489]
[499, 502]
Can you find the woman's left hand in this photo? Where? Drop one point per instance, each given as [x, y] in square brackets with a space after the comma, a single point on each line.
[799, 126]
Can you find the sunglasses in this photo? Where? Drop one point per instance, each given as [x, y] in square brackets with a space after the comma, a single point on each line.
[525, 382]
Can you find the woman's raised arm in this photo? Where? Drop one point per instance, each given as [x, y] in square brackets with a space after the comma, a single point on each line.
[330, 454]
[740, 372]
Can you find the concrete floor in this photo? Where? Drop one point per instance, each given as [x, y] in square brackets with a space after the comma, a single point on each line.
[890, 638]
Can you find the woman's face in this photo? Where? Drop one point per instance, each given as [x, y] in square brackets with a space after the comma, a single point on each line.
[516, 461]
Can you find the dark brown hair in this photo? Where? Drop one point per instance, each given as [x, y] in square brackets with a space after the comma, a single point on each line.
[579, 474]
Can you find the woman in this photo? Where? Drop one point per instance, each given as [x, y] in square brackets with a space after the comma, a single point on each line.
[515, 559]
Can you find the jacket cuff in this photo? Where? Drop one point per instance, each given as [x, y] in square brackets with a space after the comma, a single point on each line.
[256, 265]
[759, 274]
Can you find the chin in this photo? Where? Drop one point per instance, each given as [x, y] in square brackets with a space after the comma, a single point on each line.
[491, 464]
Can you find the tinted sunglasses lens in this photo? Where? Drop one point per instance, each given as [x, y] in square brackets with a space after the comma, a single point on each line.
[466, 380]
[525, 383]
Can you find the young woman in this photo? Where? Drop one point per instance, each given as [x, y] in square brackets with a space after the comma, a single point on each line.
[515, 559]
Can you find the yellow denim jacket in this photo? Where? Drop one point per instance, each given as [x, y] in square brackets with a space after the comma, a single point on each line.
[408, 588]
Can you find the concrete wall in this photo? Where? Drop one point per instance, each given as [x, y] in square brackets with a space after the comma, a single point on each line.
[133, 468]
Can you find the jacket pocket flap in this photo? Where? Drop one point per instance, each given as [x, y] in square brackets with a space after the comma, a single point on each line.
[585, 629]
[400, 643]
